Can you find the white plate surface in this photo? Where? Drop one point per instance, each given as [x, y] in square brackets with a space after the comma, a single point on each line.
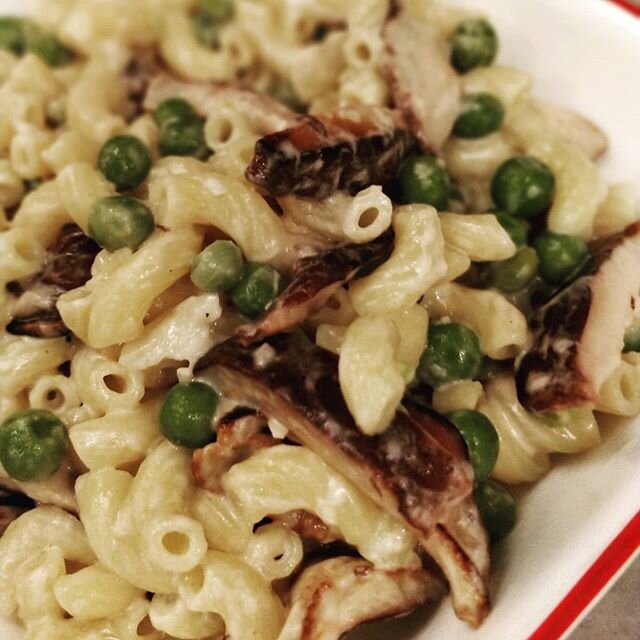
[584, 54]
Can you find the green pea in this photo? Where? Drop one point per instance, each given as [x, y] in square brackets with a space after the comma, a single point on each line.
[516, 273]
[481, 439]
[283, 91]
[183, 138]
[33, 444]
[186, 415]
[218, 268]
[632, 339]
[120, 221]
[424, 179]
[207, 29]
[497, 509]
[174, 109]
[45, 45]
[12, 35]
[259, 286]
[125, 161]
[561, 255]
[482, 114]
[452, 353]
[474, 44]
[221, 10]
[517, 228]
[523, 186]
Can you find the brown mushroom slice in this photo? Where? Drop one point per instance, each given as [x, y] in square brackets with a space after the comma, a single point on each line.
[350, 149]
[423, 84]
[314, 280]
[415, 470]
[335, 596]
[67, 266]
[579, 334]
[265, 113]
[238, 437]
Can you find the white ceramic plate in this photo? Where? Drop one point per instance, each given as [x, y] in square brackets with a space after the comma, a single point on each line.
[583, 54]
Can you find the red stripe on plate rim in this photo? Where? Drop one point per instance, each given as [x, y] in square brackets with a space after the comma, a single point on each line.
[629, 6]
[595, 579]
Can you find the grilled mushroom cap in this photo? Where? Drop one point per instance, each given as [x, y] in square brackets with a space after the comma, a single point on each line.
[579, 334]
[67, 266]
[335, 596]
[350, 150]
[417, 470]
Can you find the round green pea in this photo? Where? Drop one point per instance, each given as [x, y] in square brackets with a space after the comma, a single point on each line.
[174, 109]
[218, 268]
[12, 35]
[183, 137]
[424, 179]
[452, 353]
[516, 273]
[474, 44]
[45, 45]
[517, 228]
[186, 415]
[259, 286]
[482, 114]
[561, 255]
[207, 29]
[497, 509]
[120, 221]
[125, 161]
[481, 439]
[33, 444]
[221, 10]
[523, 186]
[632, 339]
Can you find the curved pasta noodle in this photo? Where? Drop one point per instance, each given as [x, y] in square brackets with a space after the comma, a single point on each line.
[358, 219]
[94, 592]
[103, 312]
[620, 392]
[416, 264]
[186, 56]
[370, 379]
[227, 586]
[39, 529]
[501, 327]
[226, 203]
[23, 360]
[119, 438]
[93, 100]
[478, 236]
[526, 440]
[137, 526]
[170, 614]
[263, 484]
